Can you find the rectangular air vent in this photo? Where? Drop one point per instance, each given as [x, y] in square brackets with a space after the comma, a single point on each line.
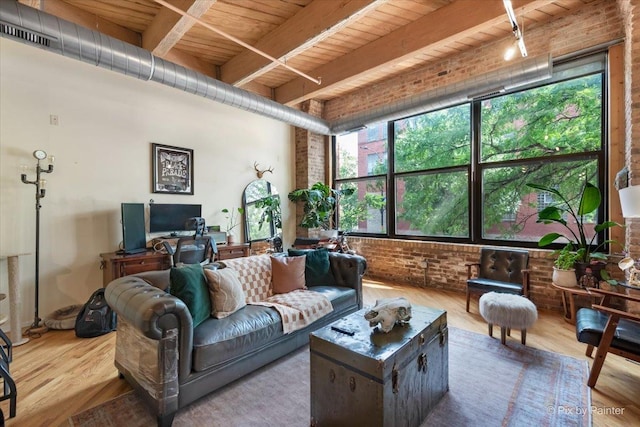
[30, 36]
[484, 94]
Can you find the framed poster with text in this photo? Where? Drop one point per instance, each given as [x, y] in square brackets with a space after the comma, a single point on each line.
[172, 169]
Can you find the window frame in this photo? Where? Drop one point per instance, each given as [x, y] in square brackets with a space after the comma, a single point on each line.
[476, 166]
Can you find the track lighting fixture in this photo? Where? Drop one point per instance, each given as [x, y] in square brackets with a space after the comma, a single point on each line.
[516, 32]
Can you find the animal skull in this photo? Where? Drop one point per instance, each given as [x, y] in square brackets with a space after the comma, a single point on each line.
[388, 312]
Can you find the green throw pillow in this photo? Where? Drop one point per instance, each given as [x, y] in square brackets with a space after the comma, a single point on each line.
[189, 284]
[317, 268]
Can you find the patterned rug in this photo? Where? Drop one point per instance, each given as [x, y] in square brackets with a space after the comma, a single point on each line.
[489, 385]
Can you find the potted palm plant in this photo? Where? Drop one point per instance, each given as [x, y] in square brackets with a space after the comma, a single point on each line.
[573, 219]
[320, 202]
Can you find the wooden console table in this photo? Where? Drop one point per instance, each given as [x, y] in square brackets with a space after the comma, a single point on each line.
[115, 265]
[234, 250]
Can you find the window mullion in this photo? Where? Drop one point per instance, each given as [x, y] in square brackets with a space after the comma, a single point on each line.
[391, 180]
[475, 187]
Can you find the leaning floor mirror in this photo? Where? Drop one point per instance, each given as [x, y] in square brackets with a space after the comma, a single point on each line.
[263, 217]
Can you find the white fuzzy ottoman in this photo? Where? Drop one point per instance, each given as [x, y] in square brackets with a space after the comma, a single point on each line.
[508, 311]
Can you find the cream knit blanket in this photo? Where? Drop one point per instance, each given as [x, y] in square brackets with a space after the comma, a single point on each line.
[298, 308]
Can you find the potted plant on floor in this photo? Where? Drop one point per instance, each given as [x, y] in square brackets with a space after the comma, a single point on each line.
[573, 219]
[320, 202]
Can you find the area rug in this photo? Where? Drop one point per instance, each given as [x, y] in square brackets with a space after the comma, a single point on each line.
[490, 384]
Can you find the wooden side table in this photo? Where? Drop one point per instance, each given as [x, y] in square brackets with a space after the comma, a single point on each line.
[569, 296]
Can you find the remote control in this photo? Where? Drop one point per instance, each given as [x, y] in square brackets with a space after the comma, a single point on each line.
[343, 330]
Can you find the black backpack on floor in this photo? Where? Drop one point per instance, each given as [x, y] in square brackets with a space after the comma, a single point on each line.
[96, 317]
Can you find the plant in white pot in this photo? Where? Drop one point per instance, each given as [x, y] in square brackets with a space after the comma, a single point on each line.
[564, 273]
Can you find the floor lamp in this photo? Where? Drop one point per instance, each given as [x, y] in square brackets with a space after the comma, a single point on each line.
[36, 328]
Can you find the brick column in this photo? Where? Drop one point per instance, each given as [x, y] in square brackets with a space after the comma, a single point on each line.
[630, 13]
[312, 157]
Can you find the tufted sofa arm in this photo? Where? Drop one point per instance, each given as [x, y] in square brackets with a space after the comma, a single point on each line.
[348, 271]
[153, 312]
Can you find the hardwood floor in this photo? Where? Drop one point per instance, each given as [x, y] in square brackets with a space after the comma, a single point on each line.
[59, 375]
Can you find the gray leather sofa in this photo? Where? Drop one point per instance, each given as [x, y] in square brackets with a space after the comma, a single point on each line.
[170, 364]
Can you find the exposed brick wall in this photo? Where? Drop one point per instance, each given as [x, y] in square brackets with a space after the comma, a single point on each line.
[401, 261]
[311, 157]
[630, 12]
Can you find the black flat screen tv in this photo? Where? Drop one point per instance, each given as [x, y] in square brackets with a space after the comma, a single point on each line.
[171, 217]
[134, 237]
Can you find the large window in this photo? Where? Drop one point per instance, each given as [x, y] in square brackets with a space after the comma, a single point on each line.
[361, 160]
[460, 173]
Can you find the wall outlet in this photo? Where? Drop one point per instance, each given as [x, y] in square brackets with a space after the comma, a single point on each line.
[53, 120]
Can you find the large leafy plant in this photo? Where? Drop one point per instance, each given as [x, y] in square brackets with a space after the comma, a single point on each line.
[590, 199]
[320, 202]
[271, 212]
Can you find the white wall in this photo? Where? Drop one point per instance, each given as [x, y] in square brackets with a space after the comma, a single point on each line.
[102, 148]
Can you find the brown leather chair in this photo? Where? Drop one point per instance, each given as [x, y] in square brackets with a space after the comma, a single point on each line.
[609, 329]
[499, 270]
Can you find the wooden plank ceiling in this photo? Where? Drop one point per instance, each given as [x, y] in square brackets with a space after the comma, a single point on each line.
[347, 44]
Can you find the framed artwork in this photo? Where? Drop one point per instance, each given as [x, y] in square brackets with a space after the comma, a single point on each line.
[172, 169]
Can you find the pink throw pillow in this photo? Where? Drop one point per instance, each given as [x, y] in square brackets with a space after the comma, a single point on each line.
[287, 273]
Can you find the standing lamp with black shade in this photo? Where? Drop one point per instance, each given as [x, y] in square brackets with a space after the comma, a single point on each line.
[36, 329]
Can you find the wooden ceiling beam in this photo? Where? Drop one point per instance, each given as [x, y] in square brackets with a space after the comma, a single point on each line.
[193, 63]
[36, 4]
[456, 20]
[89, 20]
[168, 27]
[257, 88]
[312, 24]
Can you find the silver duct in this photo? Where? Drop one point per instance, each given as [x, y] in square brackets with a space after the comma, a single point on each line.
[527, 71]
[37, 28]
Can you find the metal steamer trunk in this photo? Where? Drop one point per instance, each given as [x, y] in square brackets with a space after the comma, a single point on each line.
[376, 379]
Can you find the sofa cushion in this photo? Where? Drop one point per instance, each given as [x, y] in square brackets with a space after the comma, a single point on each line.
[217, 341]
[225, 292]
[317, 270]
[189, 284]
[341, 297]
[287, 274]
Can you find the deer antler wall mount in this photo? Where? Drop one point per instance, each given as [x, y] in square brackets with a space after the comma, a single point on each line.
[261, 172]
